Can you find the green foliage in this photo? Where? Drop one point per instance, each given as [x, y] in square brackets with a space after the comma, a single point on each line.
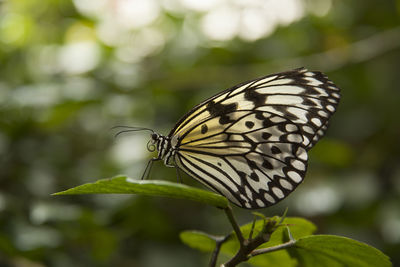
[126, 185]
[308, 249]
[198, 240]
[329, 250]
[320, 250]
[299, 228]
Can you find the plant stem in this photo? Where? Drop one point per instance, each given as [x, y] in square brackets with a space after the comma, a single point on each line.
[235, 225]
[248, 247]
[288, 244]
[218, 243]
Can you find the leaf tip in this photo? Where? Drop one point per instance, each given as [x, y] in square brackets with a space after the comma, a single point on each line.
[59, 193]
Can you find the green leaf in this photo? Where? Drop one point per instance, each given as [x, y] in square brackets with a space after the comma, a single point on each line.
[276, 258]
[198, 240]
[329, 250]
[126, 185]
[299, 227]
[309, 250]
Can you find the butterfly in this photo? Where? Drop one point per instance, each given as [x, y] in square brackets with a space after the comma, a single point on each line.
[249, 143]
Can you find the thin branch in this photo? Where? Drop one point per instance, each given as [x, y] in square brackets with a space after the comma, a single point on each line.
[252, 228]
[248, 246]
[219, 241]
[235, 225]
[288, 244]
[283, 216]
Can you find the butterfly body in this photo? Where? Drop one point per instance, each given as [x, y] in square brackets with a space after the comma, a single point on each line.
[250, 142]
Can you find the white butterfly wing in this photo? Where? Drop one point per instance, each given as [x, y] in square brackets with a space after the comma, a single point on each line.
[250, 142]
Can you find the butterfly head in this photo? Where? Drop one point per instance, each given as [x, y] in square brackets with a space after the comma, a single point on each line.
[161, 144]
[156, 141]
[153, 142]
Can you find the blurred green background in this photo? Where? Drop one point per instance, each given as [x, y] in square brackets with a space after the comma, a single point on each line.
[70, 70]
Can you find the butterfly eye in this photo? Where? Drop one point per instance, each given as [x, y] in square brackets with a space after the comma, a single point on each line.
[154, 137]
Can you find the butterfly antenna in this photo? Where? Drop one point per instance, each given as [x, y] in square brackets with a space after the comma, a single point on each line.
[129, 129]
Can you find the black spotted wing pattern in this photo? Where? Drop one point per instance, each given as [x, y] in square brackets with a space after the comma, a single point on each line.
[250, 142]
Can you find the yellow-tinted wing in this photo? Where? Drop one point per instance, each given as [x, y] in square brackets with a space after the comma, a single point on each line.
[250, 142]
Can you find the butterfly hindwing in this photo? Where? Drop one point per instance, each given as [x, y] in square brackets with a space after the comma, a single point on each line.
[250, 142]
[254, 168]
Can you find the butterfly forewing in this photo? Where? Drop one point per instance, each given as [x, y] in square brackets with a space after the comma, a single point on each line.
[250, 142]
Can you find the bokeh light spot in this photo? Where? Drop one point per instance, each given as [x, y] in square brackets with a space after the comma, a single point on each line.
[221, 24]
[79, 57]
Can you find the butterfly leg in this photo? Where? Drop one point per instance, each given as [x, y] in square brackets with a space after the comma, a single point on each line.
[178, 176]
[146, 172]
